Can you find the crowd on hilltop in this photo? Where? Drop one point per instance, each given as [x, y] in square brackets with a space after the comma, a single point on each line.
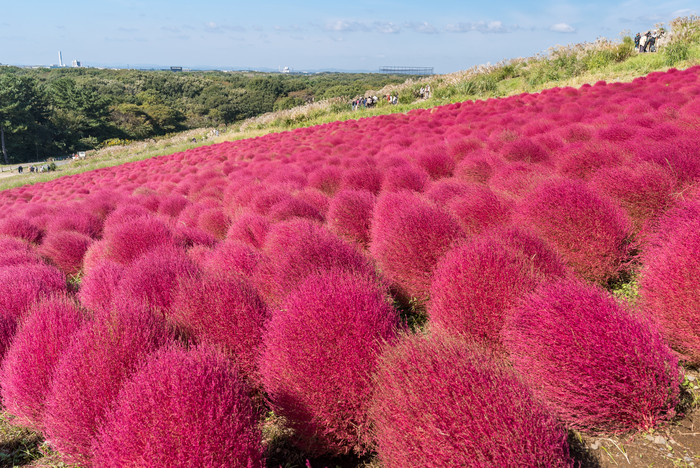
[391, 98]
[647, 42]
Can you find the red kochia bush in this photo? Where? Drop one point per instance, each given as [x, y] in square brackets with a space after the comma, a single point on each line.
[440, 402]
[350, 215]
[476, 283]
[249, 227]
[20, 228]
[30, 361]
[478, 209]
[224, 310]
[154, 278]
[99, 285]
[320, 351]
[591, 362]
[588, 231]
[181, 409]
[405, 177]
[669, 285]
[89, 375]
[65, 249]
[21, 285]
[295, 249]
[409, 235]
[232, 256]
[129, 240]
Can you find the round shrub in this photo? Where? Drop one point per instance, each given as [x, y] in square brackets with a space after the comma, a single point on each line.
[232, 256]
[226, 311]
[293, 207]
[297, 248]
[588, 231]
[405, 177]
[89, 375]
[65, 249]
[591, 362]
[436, 162]
[408, 237]
[213, 221]
[14, 251]
[350, 215]
[28, 366]
[181, 409]
[154, 278]
[478, 209]
[99, 285]
[320, 350]
[669, 285]
[21, 228]
[249, 227]
[21, 285]
[476, 283]
[127, 241]
[645, 191]
[440, 402]
[76, 220]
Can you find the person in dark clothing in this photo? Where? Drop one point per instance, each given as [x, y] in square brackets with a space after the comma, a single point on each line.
[636, 40]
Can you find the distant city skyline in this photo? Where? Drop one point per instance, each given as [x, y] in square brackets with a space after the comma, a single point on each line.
[447, 35]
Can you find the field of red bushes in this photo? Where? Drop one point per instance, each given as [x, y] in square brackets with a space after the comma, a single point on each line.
[431, 287]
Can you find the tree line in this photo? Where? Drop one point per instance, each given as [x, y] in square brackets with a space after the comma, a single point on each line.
[50, 112]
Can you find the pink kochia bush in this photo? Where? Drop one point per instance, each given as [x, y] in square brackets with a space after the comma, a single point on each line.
[591, 362]
[476, 283]
[89, 375]
[131, 239]
[588, 231]
[350, 215]
[295, 249]
[183, 408]
[30, 361]
[670, 284]
[320, 350]
[440, 402]
[154, 278]
[409, 235]
[65, 249]
[226, 311]
[21, 285]
[99, 285]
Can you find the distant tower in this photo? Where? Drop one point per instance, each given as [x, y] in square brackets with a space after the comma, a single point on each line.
[60, 59]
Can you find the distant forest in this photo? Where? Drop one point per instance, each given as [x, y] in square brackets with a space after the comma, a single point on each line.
[52, 112]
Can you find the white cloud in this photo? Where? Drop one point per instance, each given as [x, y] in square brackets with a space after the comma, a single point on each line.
[562, 28]
[423, 28]
[382, 27]
[481, 26]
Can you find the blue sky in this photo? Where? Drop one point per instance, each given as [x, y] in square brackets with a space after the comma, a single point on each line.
[311, 35]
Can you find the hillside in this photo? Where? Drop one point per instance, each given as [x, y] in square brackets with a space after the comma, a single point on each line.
[562, 66]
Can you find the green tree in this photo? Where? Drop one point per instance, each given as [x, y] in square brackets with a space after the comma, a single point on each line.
[23, 119]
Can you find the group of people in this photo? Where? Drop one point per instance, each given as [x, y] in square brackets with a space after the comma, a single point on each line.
[371, 101]
[392, 98]
[647, 42]
[44, 168]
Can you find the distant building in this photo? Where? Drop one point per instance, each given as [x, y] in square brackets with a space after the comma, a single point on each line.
[175, 69]
[76, 64]
[60, 58]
